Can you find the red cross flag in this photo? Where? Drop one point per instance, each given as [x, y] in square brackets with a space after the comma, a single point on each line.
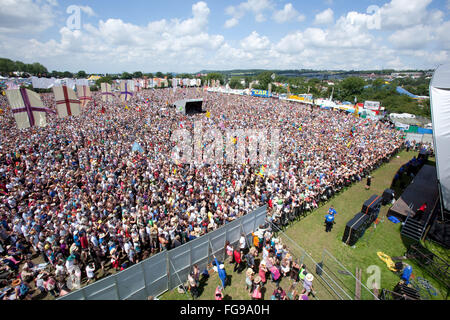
[67, 102]
[84, 92]
[27, 108]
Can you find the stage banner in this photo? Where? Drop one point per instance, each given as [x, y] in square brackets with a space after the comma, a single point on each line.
[372, 105]
[260, 93]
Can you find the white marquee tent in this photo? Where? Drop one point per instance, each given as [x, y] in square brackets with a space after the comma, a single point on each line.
[440, 112]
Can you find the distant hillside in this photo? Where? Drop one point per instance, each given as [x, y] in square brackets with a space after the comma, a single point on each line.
[307, 73]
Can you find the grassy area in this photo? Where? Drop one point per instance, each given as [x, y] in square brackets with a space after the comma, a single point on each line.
[309, 233]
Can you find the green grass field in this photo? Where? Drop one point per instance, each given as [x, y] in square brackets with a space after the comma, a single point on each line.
[309, 233]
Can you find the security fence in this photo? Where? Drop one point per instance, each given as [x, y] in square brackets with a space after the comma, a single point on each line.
[332, 280]
[169, 269]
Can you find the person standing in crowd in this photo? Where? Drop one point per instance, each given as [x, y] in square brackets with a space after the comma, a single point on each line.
[221, 271]
[229, 250]
[256, 294]
[237, 261]
[308, 285]
[193, 286]
[249, 280]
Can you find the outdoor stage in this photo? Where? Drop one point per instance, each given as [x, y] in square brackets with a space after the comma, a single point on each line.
[424, 188]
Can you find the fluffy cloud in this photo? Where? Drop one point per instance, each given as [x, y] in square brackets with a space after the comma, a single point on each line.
[403, 13]
[175, 43]
[255, 42]
[18, 16]
[256, 7]
[88, 10]
[350, 41]
[324, 17]
[288, 13]
[415, 37]
[230, 23]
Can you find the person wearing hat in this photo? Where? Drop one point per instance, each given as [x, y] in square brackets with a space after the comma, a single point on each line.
[256, 294]
[262, 272]
[308, 285]
[249, 279]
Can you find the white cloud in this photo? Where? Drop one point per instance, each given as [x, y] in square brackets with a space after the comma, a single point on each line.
[292, 43]
[165, 44]
[256, 7]
[230, 23]
[415, 37]
[288, 13]
[19, 16]
[88, 10]
[324, 17]
[255, 42]
[184, 45]
[403, 13]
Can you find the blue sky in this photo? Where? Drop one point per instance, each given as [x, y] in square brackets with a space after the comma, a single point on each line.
[188, 36]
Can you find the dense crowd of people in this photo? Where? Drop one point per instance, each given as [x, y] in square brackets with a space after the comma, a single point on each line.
[74, 194]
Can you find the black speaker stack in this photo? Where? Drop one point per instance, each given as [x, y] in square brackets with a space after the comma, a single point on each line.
[356, 227]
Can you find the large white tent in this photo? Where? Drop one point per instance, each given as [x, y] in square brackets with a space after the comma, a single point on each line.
[440, 112]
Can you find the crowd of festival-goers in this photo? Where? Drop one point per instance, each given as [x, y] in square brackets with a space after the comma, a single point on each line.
[76, 201]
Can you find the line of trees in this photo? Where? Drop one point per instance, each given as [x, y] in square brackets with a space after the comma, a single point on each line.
[7, 67]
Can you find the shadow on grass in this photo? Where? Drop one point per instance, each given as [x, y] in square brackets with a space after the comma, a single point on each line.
[201, 286]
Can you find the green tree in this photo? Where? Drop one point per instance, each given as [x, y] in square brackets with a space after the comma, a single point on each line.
[215, 76]
[137, 75]
[351, 87]
[235, 83]
[106, 79]
[81, 74]
[67, 74]
[264, 79]
[159, 74]
[126, 76]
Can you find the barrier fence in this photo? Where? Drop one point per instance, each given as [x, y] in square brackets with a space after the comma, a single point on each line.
[169, 269]
[332, 280]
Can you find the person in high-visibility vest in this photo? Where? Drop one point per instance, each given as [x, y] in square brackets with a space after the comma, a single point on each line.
[329, 221]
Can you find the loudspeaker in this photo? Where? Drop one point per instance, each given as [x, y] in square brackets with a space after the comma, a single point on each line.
[388, 195]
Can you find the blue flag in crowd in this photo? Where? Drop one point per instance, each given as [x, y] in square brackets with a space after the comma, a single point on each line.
[137, 147]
